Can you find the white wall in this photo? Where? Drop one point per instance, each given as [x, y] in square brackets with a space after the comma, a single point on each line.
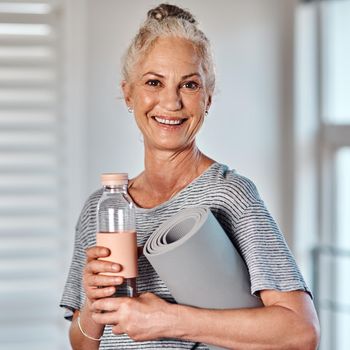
[248, 124]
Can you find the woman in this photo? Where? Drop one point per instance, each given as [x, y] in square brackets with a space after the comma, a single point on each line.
[168, 84]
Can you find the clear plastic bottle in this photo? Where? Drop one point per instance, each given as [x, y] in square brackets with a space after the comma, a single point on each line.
[116, 229]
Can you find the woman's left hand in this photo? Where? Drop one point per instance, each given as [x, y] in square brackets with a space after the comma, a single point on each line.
[146, 317]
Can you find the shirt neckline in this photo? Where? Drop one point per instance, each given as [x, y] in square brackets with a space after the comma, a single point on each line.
[169, 201]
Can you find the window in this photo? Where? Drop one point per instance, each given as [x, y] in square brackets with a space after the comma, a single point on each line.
[323, 132]
[334, 31]
[33, 167]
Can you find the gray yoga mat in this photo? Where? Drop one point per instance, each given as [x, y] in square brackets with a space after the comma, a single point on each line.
[199, 264]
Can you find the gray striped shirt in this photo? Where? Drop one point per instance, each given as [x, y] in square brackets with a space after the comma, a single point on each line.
[235, 202]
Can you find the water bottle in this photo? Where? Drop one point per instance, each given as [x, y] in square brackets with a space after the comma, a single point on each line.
[116, 229]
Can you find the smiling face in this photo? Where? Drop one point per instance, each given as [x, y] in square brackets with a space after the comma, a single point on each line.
[168, 94]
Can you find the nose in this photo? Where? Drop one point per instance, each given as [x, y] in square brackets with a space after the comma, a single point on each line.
[170, 99]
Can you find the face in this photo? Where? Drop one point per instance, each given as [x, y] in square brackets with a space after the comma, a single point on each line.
[168, 95]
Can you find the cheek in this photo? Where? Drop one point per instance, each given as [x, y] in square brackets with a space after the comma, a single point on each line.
[197, 103]
[146, 99]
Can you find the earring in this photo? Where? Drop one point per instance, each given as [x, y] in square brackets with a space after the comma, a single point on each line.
[130, 110]
[206, 113]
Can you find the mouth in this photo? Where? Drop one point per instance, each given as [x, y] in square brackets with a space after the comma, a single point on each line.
[169, 121]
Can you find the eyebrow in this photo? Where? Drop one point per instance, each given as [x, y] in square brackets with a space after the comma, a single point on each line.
[183, 77]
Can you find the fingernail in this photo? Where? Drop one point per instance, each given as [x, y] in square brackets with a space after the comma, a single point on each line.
[105, 252]
[117, 280]
[115, 267]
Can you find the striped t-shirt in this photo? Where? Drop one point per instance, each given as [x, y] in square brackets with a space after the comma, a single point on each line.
[235, 202]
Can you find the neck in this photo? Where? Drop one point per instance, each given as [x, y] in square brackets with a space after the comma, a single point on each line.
[167, 172]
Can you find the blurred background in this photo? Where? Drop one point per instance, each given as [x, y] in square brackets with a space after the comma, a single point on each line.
[280, 115]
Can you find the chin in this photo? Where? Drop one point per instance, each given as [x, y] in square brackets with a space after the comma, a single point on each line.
[167, 146]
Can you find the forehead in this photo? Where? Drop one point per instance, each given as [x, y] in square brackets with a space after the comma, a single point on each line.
[171, 54]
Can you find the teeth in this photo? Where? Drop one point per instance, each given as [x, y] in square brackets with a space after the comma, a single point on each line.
[166, 121]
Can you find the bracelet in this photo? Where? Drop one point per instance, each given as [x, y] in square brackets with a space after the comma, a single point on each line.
[85, 334]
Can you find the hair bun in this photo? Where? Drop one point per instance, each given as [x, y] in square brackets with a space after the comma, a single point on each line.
[165, 10]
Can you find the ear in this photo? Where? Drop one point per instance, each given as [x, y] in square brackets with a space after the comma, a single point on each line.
[208, 103]
[126, 87]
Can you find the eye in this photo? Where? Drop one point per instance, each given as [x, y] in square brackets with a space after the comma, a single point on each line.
[191, 85]
[153, 83]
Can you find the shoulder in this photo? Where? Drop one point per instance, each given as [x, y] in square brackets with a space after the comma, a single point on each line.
[88, 212]
[231, 186]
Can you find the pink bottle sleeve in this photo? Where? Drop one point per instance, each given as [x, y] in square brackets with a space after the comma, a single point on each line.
[123, 247]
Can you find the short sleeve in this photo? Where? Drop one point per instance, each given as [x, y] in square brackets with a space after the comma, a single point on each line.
[85, 236]
[72, 298]
[270, 262]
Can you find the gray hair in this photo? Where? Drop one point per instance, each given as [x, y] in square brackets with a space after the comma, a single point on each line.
[169, 21]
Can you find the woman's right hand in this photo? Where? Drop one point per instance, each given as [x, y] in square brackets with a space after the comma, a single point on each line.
[97, 285]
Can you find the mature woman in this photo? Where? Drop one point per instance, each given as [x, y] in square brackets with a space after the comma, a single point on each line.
[168, 85]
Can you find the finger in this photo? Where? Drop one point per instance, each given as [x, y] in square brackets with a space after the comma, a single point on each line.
[97, 293]
[147, 295]
[97, 266]
[109, 304]
[117, 329]
[105, 318]
[97, 252]
[103, 281]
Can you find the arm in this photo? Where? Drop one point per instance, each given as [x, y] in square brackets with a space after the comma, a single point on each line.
[77, 339]
[288, 321]
[96, 286]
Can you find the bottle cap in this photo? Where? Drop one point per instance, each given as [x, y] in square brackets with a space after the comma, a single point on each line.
[116, 179]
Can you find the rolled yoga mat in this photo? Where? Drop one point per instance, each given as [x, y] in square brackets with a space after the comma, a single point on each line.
[199, 264]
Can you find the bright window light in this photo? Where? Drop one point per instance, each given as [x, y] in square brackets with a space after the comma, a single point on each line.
[343, 197]
[24, 29]
[336, 60]
[19, 7]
